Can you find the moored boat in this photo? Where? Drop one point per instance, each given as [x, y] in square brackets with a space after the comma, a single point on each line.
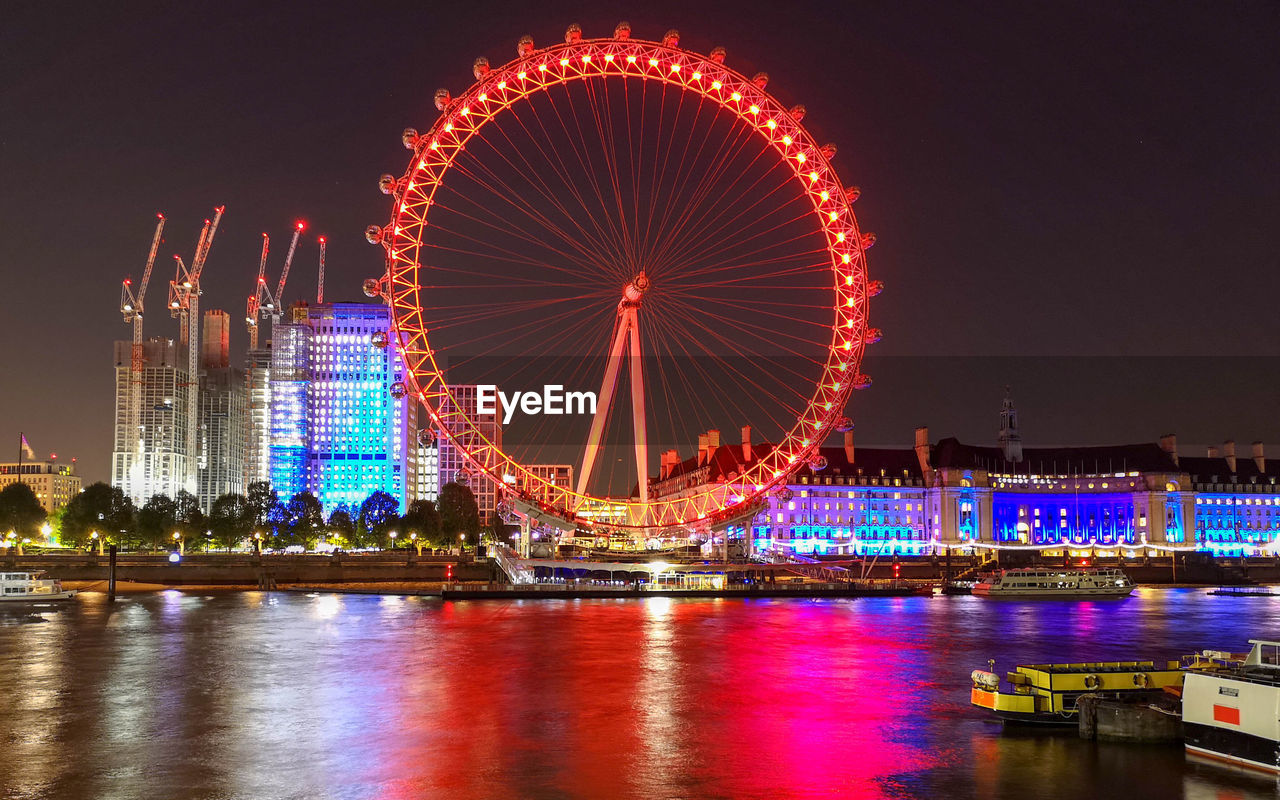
[1034, 582]
[1048, 694]
[1231, 710]
[28, 586]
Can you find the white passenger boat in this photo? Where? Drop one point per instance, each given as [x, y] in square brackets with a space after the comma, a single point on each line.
[1055, 583]
[28, 586]
[1231, 712]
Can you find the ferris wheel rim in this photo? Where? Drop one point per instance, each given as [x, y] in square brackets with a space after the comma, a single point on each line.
[494, 92]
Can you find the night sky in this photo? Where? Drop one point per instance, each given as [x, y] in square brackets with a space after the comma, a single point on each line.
[1080, 200]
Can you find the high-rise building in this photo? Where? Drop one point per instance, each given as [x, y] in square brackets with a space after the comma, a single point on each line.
[257, 438]
[54, 483]
[215, 340]
[152, 459]
[452, 464]
[221, 436]
[428, 471]
[336, 429]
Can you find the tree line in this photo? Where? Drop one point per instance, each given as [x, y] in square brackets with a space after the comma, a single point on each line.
[237, 520]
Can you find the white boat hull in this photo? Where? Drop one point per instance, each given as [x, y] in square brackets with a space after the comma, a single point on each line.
[1105, 594]
[37, 598]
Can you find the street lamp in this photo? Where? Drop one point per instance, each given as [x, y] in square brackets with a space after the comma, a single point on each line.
[47, 530]
[97, 541]
[257, 542]
[177, 541]
[416, 546]
[393, 540]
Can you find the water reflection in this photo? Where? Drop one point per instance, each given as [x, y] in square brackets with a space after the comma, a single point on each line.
[258, 695]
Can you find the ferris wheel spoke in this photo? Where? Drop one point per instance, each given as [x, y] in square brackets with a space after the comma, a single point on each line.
[709, 185]
[705, 206]
[700, 238]
[723, 247]
[516, 200]
[603, 241]
[531, 174]
[614, 234]
[608, 140]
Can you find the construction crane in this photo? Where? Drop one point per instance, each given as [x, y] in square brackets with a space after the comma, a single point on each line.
[255, 300]
[262, 303]
[184, 303]
[131, 307]
[320, 280]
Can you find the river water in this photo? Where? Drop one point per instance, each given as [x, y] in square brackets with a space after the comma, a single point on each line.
[256, 695]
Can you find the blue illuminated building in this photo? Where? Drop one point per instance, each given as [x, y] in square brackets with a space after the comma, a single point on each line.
[935, 497]
[336, 429]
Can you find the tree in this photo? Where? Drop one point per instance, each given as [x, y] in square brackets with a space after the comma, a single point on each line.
[20, 511]
[189, 521]
[343, 525]
[304, 517]
[156, 521]
[100, 508]
[379, 514]
[262, 498]
[423, 519]
[231, 520]
[459, 513]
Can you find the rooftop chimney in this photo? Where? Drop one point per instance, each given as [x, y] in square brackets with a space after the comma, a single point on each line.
[1213, 451]
[668, 461]
[1258, 458]
[702, 449]
[1229, 453]
[848, 446]
[746, 444]
[1169, 444]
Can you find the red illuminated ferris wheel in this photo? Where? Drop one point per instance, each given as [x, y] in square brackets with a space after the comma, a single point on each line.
[616, 210]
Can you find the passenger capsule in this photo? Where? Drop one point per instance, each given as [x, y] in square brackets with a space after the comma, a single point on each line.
[862, 381]
[874, 288]
[872, 336]
[844, 424]
[761, 80]
[829, 151]
[622, 30]
[373, 234]
[868, 241]
[717, 54]
[480, 67]
[818, 463]
[409, 137]
[399, 390]
[442, 99]
[672, 38]
[573, 33]
[798, 112]
[524, 47]
[372, 287]
[426, 437]
[852, 194]
[387, 184]
[379, 339]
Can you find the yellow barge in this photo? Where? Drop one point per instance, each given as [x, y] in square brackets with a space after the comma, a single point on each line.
[1048, 694]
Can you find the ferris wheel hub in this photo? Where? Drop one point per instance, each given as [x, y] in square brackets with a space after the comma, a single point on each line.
[634, 291]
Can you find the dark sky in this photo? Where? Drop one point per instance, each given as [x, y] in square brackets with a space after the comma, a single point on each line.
[1095, 181]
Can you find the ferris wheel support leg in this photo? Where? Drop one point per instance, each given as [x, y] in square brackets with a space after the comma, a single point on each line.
[602, 406]
[637, 409]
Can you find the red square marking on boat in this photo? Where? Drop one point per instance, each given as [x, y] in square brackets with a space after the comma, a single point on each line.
[1226, 714]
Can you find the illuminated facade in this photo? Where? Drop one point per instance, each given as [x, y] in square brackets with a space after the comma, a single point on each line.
[336, 431]
[950, 495]
[257, 438]
[452, 463]
[163, 466]
[53, 483]
[428, 472]
[222, 415]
